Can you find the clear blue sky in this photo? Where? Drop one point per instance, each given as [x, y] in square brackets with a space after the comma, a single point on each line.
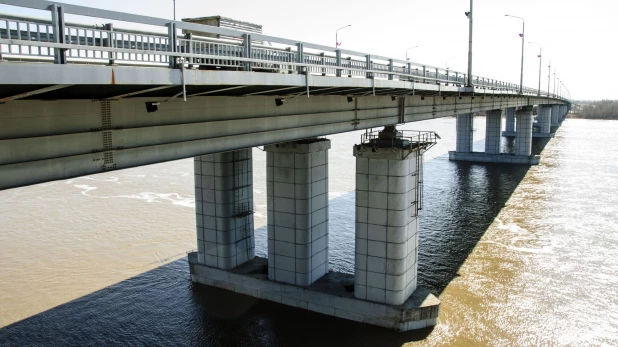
[577, 36]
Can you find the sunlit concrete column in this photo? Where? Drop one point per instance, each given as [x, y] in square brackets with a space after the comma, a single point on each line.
[510, 119]
[523, 133]
[387, 201]
[493, 125]
[464, 133]
[224, 208]
[555, 115]
[297, 193]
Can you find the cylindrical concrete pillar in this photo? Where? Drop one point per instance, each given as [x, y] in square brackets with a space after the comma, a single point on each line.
[224, 208]
[297, 198]
[510, 119]
[493, 125]
[387, 202]
[523, 134]
[464, 133]
[544, 117]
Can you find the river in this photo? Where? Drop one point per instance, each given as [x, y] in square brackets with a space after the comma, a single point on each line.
[520, 256]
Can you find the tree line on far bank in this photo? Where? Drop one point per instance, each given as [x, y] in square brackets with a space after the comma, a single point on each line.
[603, 109]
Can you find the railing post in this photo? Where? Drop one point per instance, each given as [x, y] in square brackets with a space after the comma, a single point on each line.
[171, 43]
[338, 57]
[322, 62]
[247, 50]
[410, 71]
[390, 69]
[300, 57]
[60, 56]
[189, 48]
[111, 43]
[349, 59]
[369, 64]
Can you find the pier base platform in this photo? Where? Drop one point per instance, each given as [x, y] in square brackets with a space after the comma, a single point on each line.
[332, 294]
[494, 158]
[540, 135]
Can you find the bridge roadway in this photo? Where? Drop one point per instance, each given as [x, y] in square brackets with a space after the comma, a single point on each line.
[87, 112]
[95, 99]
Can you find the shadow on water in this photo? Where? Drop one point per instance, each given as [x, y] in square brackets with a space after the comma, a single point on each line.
[163, 307]
[460, 201]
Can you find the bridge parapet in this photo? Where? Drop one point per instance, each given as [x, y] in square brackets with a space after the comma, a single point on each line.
[164, 45]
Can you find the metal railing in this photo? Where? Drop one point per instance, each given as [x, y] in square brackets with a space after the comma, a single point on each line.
[55, 40]
[400, 139]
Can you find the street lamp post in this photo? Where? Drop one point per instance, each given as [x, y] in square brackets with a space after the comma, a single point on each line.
[554, 81]
[337, 37]
[407, 50]
[540, 59]
[469, 15]
[548, 77]
[523, 32]
[174, 9]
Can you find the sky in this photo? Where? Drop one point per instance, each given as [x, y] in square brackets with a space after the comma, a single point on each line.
[578, 37]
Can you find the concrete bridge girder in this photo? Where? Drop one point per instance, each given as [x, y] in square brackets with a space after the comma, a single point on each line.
[48, 140]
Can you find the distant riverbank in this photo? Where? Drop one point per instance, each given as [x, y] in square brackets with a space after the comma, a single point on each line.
[603, 109]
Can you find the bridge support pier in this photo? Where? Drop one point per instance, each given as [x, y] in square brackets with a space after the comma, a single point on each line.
[544, 121]
[510, 122]
[523, 133]
[493, 126]
[297, 190]
[296, 271]
[224, 208]
[492, 141]
[555, 115]
[387, 202]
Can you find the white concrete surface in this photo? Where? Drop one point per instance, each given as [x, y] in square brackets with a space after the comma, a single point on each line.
[386, 248]
[555, 115]
[493, 125]
[544, 118]
[330, 295]
[495, 158]
[523, 133]
[224, 208]
[297, 195]
[464, 132]
[510, 119]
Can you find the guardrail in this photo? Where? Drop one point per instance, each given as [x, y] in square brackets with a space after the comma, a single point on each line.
[61, 42]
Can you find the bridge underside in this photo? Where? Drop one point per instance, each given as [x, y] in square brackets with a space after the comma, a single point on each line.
[55, 126]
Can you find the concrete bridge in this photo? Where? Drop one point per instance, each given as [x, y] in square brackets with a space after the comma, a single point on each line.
[78, 99]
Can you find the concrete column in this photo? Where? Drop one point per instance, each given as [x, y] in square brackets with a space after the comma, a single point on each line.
[464, 133]
[555, 115]
[544, 116]
[224, 208]
[297, 193]
[510, 119]
[523, 133]
[387, 202]
[563, 113]
[493, 125]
